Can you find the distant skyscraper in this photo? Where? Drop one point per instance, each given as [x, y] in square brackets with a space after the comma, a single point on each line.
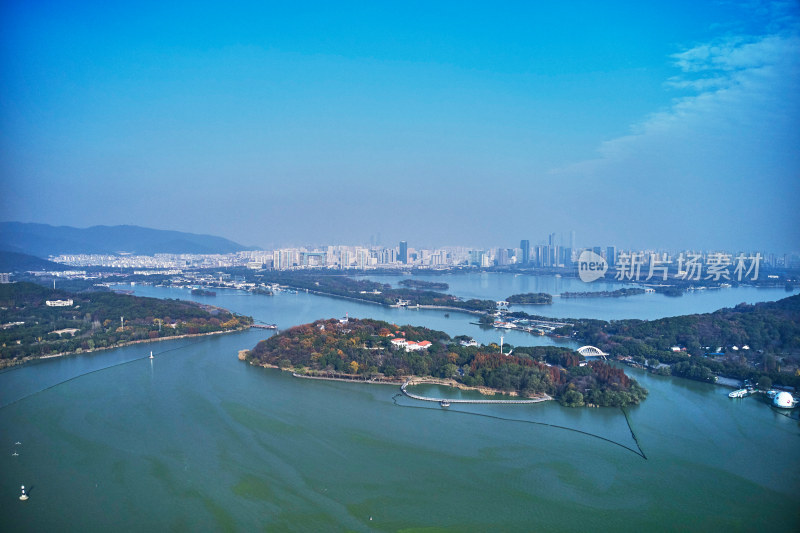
[403, 252]
[566, 256]
[541, 255]
[525, 245]
[611, 255]
[503, 255]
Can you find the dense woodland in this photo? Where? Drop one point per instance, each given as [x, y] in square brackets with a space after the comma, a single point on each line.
[769, 330]
[363, 349]
[530, 298]
[422, 284]
[96, 317]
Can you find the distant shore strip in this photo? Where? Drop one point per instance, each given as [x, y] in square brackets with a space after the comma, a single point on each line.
[417, 306]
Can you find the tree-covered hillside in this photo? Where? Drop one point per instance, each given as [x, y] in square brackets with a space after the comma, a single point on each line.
[31, 328]
[744, 342]
[364, 348]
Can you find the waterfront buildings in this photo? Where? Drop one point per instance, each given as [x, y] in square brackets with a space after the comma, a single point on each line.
[552, 256]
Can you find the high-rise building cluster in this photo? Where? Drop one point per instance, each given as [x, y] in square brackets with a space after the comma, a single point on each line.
[553, 252]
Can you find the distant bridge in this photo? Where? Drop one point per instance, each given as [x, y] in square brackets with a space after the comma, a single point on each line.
[591, 351]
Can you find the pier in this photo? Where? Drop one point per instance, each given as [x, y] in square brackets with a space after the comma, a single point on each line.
[452, 401]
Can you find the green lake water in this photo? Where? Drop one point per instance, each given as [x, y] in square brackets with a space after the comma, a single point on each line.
[196, 440]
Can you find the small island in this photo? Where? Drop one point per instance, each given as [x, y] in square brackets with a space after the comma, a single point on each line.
[604, 294]
[203, 292]
[376, 351]
[531, 298]
[424, 285]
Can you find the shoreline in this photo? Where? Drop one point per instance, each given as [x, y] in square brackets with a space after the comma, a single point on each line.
[346, 380]
[515, 399]
[486, 391]
[409, 381]
[18, 362]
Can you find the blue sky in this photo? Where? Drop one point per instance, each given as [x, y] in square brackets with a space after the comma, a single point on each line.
[459, 123]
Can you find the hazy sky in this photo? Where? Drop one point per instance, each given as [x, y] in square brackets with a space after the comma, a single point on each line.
[472, 123]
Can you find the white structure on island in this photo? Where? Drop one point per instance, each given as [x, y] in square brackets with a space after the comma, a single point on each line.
[58, 303]
[592, 351]
[410, 346]
[784, 400]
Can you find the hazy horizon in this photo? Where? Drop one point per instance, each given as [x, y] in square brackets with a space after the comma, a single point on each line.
[640, 126]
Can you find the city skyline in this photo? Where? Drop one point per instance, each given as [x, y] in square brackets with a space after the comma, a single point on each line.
[540, 256]
[630, 124]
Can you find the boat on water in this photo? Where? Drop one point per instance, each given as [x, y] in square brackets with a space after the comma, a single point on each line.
[445, 403]
[741, 393]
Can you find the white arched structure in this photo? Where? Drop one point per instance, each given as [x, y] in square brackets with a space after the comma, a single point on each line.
[591, 351]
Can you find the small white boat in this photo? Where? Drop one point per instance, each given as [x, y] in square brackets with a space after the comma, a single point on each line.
[445, 403]
[151, 355]
[741, 393]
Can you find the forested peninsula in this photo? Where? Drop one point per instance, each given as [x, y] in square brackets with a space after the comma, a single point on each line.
[366, 349]
[380, 293]
[30, 327]
[744, 342]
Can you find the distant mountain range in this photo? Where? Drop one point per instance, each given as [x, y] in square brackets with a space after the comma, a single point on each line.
[16, 262]
[43, 240]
